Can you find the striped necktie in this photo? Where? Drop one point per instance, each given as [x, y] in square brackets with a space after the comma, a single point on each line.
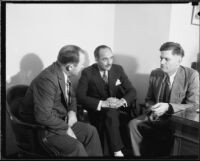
[105, 77]
[67, 91]
[167, 89]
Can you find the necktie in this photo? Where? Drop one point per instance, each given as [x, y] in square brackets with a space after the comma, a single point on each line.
[167, 89]
[105, 77]
[67, 91]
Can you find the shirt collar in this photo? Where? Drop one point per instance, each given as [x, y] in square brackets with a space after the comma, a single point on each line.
[65, 77]
[172, 78]
[102, 71]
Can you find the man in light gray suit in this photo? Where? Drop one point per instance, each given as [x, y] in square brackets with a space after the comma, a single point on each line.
[172, 88]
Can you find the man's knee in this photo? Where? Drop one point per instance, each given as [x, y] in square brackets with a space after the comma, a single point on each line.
[91, 130]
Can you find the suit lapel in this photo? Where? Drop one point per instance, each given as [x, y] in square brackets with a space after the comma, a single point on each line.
[159, 84]
[98, 80]
[177, 84]
[61, 81]
[112, 77]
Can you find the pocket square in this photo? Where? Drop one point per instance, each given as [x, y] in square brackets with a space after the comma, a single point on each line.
[118, 82]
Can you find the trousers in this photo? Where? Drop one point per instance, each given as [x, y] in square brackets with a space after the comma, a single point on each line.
[143, 131]
[86, 144]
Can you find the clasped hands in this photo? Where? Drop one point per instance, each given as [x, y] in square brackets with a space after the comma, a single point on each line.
[113, 102]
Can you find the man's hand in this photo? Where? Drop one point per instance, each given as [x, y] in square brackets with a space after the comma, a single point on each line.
[112, 102]
[159, 108]
[109, 102]
[72, 119]
[105, 104]
[70, 133]
[121, 102]
[112, 99]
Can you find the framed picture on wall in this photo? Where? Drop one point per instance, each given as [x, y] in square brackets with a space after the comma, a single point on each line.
[195, 15]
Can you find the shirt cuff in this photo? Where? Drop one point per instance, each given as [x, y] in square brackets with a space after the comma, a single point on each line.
[99, 106]
[170, 109]
[124, 102]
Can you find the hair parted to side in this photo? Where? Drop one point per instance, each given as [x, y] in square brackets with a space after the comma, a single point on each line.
[175, 47]
[97, 49]
[69, 54]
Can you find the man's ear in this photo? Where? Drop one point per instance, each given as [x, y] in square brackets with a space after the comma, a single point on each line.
[96, 59]
[180, 59]
[68, 67]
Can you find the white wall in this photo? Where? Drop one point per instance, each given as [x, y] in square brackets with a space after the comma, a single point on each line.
[182, 31]
[44, 28]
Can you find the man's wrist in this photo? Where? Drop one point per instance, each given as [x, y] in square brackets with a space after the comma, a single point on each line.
[71, 113]
[99, 105]
[170, 109]
[104, 104]
[124, 102]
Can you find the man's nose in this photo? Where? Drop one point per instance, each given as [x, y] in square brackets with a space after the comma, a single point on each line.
[110, 61]
[162, 61]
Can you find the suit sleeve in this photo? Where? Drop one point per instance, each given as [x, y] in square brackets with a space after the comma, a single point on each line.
[82, 89]
[192, 94]
[43, 94]
[130, 91]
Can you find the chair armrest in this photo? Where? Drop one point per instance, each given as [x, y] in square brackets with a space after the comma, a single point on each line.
[31, 125]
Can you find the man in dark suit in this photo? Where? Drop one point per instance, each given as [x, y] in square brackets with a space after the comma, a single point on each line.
[50, 101]
[172, 88]
[105, 91]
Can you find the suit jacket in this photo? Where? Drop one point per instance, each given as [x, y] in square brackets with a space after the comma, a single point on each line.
[45, 100]
[91, 86]
[184, 91]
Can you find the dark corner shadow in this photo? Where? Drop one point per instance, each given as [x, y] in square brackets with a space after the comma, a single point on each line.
[138, 80]
[75, 79]
[196, 65]
[30, 66]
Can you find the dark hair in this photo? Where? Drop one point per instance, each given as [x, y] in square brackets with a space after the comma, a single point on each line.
[69, 54]
[175, 47]
[96, 51]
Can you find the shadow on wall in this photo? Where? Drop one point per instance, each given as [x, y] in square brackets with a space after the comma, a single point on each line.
[75, 79]
[30, 66]
[138, 80]
[129, 64]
